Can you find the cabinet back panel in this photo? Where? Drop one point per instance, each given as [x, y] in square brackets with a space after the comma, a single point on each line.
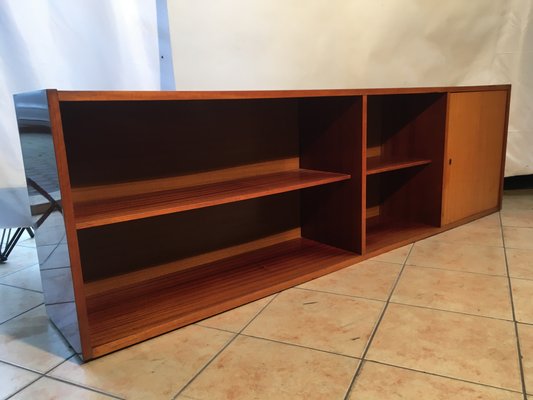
[394, 124]
[126, 247]
[109, 142]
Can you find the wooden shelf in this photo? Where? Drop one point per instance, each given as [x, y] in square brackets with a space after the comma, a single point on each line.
[376, 165]
[155, 305]
[120, 209]
[394, 231]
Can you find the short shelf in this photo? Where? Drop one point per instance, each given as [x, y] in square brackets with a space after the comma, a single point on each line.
[126, 208]
[126, 314]
[376, 165]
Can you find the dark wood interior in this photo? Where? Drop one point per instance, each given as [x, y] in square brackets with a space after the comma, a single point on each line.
[125, 141]
[114, 249]
[405, 144]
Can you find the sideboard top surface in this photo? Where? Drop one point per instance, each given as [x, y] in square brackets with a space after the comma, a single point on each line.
[67, 95]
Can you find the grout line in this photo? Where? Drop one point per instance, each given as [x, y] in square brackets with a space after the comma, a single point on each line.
[373, 334]
[60, 363]
[223, 348]
[459, 242]
[213, 328]
[53, 268]
[2, 361]
[441, 376]
[521, 279]
[24, 387]
[114, 396]
[451, 311]
[27, 246]
[518, 349]
[457, 270]
[24, 312]
[18, 270]
[60, 379]
[300, 346]
[339, 294]
[22, 288]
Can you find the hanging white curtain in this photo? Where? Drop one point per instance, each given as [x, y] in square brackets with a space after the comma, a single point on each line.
[311, 44]
[70, 45]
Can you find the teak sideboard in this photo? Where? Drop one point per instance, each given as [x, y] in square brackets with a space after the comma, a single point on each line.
[164, 208]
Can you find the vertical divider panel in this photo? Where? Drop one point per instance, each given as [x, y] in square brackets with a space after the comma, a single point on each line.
[331, 140]
[364, 144]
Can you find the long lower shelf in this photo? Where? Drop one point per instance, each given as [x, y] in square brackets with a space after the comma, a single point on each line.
[154, 306]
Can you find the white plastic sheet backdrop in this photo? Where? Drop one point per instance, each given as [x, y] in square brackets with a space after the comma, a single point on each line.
[309, 44]
[65, 44]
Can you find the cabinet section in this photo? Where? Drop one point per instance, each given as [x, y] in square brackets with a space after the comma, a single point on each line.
[179, 209]
[405, 145]
[475, 145]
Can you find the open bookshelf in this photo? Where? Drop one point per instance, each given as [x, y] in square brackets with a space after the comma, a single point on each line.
[176, 206]
[404, 166]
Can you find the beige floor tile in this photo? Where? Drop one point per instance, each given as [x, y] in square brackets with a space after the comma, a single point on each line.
[485, 231]
[476, 349]
[31, 341]
[519, 218]
[458, 257]
[523, 300]
[518, 238]
[251, 368]
[520, 262]
[525, 333]
[382, 382]
[518, 199]
[14, 301]
[370, 279]
[319, 320]
[155, 369]
[28, 278]
[13, 379]
[50, 389]
[20, 258]
[455, 291]
[397, 256]
[236, 319]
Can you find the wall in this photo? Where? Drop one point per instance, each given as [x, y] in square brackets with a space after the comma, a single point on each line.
[311, 44]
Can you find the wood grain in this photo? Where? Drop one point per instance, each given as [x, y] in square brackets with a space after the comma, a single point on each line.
[140, 187]
[388, 232]
[68, 215]
[475, 141]
[86, 96]
[127, 208]
[137, 277]
[195, 293]
[183, 238]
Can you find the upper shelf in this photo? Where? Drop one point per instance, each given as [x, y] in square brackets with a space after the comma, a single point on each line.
[376, 165]
[119, 209]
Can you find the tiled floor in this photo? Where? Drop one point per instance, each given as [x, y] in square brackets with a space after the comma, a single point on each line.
[445, 318]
